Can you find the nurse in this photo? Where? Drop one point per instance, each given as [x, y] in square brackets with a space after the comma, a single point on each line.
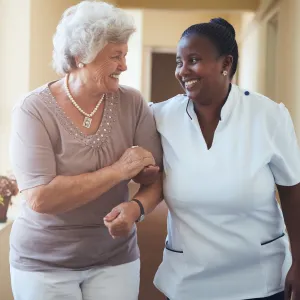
[225, 151]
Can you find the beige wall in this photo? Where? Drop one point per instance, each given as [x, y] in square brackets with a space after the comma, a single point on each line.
[236, 21]
[254, 62]
[257, 68]
[14, 62]
[162, 28]
[288, 58]
[5, 287]
[15, 66]
[133, 76]
[45, 16]
[26, 33]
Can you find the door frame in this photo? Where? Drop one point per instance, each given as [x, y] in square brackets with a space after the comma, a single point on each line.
[147, 68]
[272, 30]
[272, 37]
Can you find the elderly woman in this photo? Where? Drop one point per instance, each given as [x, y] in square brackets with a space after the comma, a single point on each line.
[75, 145]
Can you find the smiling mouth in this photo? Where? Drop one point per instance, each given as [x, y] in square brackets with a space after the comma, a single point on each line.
[116, 76]
[189, 84]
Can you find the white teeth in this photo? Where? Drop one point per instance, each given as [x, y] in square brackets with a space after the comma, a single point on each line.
[191, 82]
[115, 76]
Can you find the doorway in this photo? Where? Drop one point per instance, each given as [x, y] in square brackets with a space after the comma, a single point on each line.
[164, 85]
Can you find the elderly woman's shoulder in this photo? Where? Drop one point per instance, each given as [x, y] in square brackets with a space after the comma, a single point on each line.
[128, 93]
[34, 100]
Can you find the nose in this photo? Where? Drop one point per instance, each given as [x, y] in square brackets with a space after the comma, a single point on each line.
[123, 65]
[183, 70]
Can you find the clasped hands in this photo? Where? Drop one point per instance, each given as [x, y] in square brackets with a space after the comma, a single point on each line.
[139, 165]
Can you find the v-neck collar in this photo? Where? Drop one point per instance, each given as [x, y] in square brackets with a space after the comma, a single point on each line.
[226, 109]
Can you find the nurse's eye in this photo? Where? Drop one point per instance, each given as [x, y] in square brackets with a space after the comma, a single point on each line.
[194, 60]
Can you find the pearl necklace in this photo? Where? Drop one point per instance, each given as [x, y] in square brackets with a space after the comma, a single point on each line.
[87, 122]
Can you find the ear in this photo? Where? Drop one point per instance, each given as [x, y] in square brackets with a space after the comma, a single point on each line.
[78, 63]
[227, 63]
[77, 60]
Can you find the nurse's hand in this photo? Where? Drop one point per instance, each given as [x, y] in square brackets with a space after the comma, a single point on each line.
[121, 219]
[147, 176]
[292, 283]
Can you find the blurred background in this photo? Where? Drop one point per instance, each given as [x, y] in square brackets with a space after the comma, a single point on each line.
[267, 33]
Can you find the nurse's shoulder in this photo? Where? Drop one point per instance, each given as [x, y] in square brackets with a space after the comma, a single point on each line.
[262, 108]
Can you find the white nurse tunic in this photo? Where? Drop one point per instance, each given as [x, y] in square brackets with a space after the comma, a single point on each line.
[226, 236]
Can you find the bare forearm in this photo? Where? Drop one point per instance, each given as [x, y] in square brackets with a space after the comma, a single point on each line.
[290, 203]
[121, 219]
[150, 195]
[65, 193]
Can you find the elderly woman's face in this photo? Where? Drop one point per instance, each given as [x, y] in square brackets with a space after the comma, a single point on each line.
[105, 70]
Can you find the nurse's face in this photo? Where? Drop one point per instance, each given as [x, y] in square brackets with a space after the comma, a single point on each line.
[199, 68]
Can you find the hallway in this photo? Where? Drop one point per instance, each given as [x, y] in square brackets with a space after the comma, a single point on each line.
[267, 33]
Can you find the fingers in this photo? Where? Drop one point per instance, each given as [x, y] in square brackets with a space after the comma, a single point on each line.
[150, 170]
[118, 227]
[122, 219]
[111, 226]
[147, 176]
[148, 160]
[112, 215]
[133, 161]
[143, 157]
[146, 155]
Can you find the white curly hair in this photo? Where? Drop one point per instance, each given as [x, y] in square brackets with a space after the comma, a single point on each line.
[85, 29]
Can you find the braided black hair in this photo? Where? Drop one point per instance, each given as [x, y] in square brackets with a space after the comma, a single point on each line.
[221, 34]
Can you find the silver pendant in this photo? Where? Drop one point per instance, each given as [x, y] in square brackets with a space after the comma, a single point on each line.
[87, 122]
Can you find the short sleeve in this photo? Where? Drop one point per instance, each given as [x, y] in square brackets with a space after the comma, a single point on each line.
[31, 153]
[285, 161]
[146, 134]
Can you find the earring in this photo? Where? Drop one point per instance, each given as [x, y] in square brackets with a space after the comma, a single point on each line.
[80, 65]
[225, 73]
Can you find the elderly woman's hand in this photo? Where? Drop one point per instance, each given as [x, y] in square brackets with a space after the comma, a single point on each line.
[133, 161]
[147, 176]
[121, 219]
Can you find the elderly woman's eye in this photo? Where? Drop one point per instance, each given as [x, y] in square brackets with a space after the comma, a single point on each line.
[116, 57]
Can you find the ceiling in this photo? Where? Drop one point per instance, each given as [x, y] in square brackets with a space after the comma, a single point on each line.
[237, 5]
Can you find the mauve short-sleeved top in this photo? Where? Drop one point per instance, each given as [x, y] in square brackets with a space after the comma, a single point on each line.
[45, 143]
